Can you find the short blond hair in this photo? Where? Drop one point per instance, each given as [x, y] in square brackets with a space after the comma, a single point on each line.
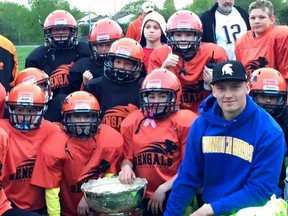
[262, 4]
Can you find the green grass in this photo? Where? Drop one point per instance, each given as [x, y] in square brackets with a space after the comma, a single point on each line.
[22, 53]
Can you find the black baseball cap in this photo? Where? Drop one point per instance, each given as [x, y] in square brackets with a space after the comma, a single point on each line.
[229, 70]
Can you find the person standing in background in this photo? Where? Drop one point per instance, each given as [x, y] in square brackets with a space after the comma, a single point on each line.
[8, 63]
[134, 28]
[265, 45]
[153, 34]
[223, 23]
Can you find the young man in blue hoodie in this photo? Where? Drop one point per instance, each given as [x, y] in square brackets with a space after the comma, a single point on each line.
[234, 150]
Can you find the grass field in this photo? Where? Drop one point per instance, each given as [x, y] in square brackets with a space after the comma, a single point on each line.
[22, 53]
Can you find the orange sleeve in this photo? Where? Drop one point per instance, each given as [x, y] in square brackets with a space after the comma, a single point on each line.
[4, 203]
[157, 57]
[131, 31]
[2, 100]
[185, 119]
[281, 50]
[48, 168]
[238, 47]
[134, 29]
[128, 144]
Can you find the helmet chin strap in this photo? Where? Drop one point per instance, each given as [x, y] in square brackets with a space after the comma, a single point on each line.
[151, 111]
[182, 69]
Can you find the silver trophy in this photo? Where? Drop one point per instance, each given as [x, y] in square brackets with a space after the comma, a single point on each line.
[108, 196]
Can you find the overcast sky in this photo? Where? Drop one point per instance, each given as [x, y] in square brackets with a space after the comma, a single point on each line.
[106, 7]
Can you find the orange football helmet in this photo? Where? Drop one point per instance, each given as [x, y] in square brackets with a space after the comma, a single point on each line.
[60, 19]
[184, 21]
[162, 81]
[35, 76]
[26, 96]
[103, 31]
[125, 48]
[268, 82]
[81, 103]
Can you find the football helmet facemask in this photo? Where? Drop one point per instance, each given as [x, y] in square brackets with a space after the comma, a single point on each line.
[125, 48]
[60, 20]
[184, 21]
[162, 81]
[83, 106]
[26, 104]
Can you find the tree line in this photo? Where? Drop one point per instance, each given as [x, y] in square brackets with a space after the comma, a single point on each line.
[24, 26]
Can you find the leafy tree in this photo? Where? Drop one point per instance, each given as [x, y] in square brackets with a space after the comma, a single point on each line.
[168, 9]
[40, 9]
[283, 14]
[199, 6]
[133, 7]
[14, 19]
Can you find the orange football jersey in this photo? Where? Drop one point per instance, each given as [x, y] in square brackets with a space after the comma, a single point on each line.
[24, 148]
[267, 50]
[156, 152]
[67, 162]
[4, 203]
[2, 100]
[192, 82]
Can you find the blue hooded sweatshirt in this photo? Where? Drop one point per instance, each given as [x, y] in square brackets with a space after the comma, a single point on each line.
[237, 163]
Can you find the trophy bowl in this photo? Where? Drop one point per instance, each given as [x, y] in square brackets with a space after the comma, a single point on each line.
[109, 195]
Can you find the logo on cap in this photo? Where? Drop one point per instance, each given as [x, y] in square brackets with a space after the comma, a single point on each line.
[227, 69]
